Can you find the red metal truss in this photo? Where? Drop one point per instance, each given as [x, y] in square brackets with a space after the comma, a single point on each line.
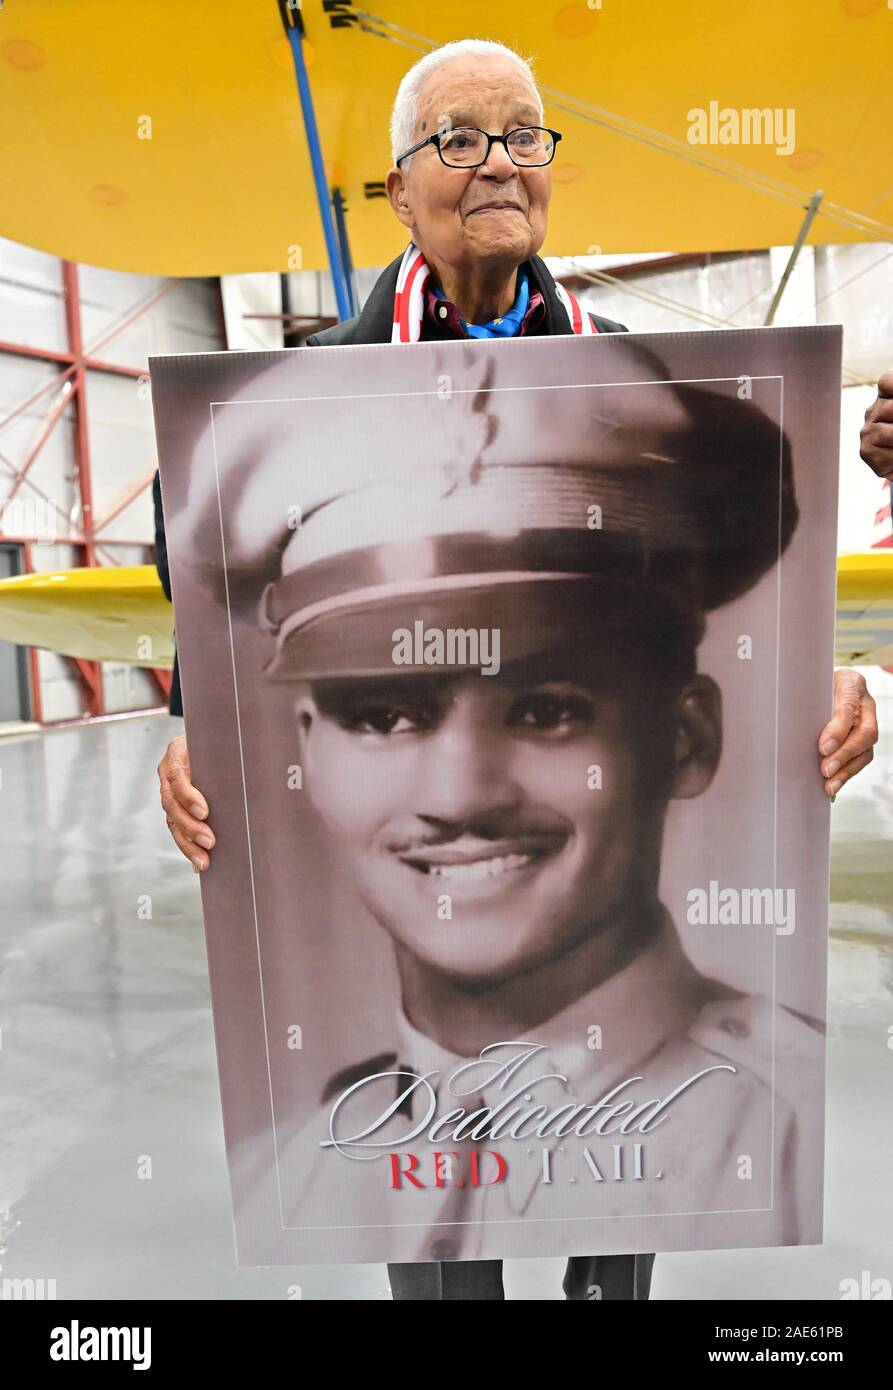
[69, 389]
[79, 406]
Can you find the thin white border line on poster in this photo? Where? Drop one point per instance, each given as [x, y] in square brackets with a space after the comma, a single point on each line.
[496, 390]
[260, 968]
[568, 386]
[775, 788]
[516, 1220]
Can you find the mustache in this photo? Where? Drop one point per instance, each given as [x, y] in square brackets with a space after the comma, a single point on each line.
[491, 829]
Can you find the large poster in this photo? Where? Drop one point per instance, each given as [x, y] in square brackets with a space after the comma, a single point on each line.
[503, 667]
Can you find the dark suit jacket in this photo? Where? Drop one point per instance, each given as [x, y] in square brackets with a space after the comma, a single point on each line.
[176, 700]
[373, 325]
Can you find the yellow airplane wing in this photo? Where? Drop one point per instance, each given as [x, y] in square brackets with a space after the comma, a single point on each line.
[185, 152]
[121, 614]
[117, 613]
[865, 609]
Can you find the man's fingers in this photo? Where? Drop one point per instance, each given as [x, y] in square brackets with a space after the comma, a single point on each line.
[877, 433]
[880, 411]
[862, 738]
[847, 740]
[877, 447]
[185, 809]
[837, 730]
[192, 837]
[198, 857]
[834, 784]
[885, 383]
[175, 771]
[188, 796]
[876, 438]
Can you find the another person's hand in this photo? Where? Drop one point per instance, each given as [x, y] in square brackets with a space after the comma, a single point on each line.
[877, 432]
[184, 806]
[847, 741]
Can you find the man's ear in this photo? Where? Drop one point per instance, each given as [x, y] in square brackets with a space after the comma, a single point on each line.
[697, 716]
[396, 190]
[306, 712]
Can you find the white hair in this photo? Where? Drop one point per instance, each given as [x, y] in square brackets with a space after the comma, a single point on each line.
[406, 103]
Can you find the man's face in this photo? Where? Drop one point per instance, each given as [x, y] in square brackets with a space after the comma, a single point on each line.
[495, 214]
[512, 796]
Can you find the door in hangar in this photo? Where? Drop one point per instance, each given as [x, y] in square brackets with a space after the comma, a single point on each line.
[15, 700]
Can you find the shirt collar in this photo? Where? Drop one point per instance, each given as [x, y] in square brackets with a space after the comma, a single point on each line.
[441, 318]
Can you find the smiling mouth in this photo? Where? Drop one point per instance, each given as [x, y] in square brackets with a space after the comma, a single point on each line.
[479, 864]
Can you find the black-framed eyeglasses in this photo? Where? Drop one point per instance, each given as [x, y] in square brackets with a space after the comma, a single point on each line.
[466, 147]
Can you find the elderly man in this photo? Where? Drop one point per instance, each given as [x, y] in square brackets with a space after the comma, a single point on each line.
[471, 183]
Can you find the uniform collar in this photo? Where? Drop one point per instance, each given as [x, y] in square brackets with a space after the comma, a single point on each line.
[375, 322]
[442, 319]
[653, 998]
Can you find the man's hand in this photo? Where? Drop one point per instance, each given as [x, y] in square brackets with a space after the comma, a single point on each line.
[184, 806]
[847, 742]
[877, 432]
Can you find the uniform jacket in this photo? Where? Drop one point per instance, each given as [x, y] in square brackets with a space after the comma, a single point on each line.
[741, 1141]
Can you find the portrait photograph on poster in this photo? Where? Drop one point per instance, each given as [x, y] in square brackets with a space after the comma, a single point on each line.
[501, 667]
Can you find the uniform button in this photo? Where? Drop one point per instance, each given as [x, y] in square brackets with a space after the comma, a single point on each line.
[444, 1250]
[736, 1026]
[443, 311]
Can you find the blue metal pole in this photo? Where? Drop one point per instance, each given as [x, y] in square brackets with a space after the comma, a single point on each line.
[344, 244]
[342, 298]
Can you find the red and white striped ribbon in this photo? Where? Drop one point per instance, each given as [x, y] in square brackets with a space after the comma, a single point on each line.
[580, 320]
[409, 300]
[409, 297]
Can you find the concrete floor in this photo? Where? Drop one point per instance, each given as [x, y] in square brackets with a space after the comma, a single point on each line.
[107, 1051]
